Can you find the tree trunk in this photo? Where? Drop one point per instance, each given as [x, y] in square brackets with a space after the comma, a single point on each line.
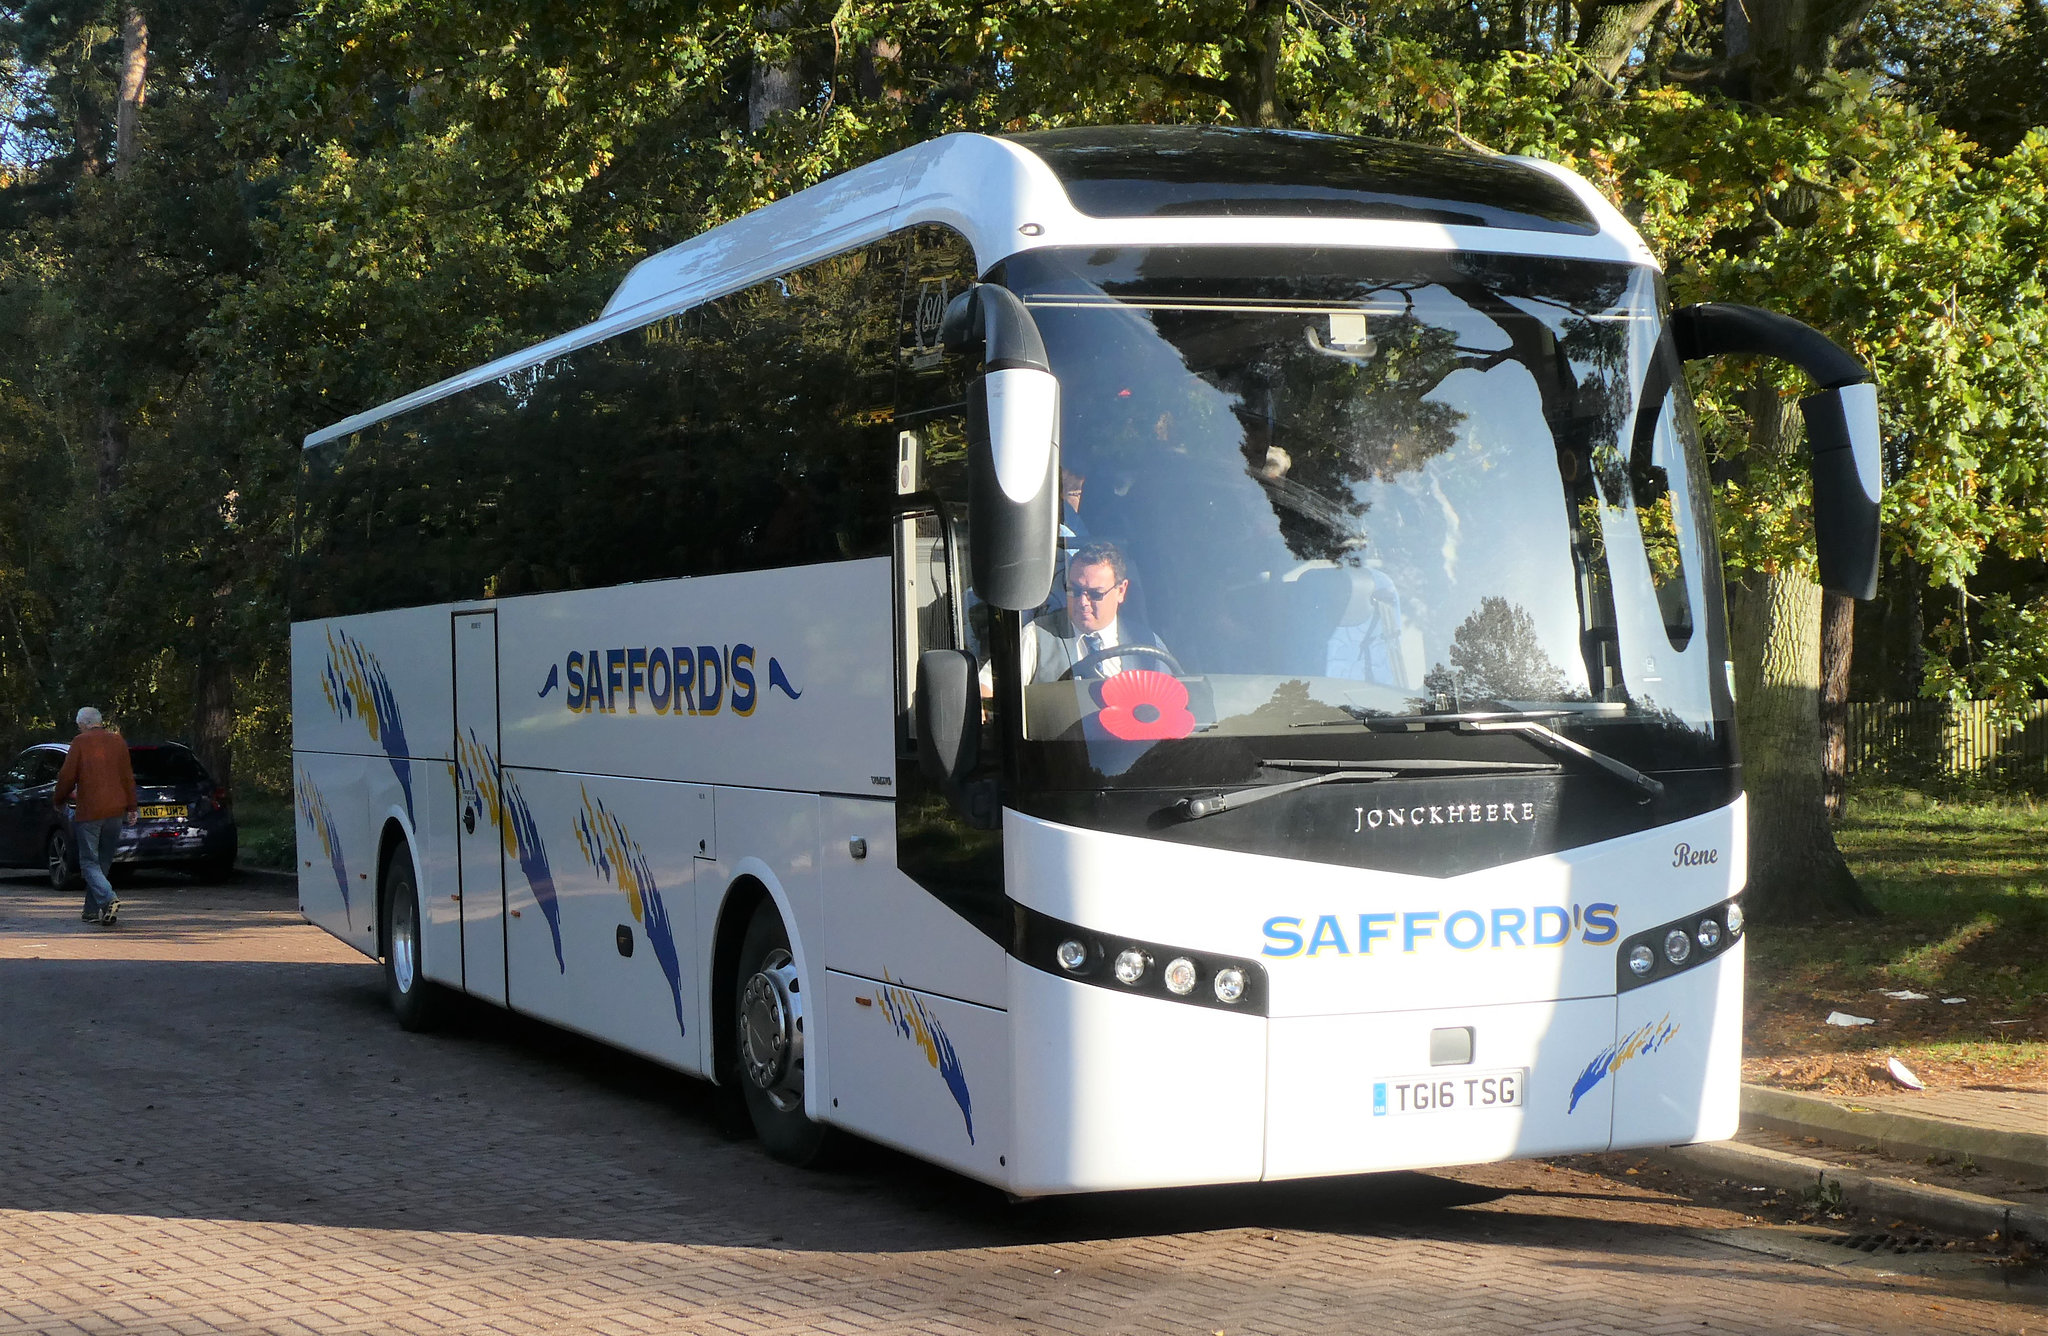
[1608, 32]
[1778, 48]
[1795, 870]
[113, 443]
[1518, 24]
[772, 87]
[1837, 647]
[1251, 81]
[869, 67]
[134, 71]
[1735, 42]
[213, 711]
[1268, 112]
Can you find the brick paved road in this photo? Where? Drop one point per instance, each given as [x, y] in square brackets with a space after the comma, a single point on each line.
[209, 1123]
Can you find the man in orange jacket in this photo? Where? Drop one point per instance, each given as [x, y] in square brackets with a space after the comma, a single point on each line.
[98, 770]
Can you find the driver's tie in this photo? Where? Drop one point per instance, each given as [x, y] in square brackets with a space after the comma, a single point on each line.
[1093, 642]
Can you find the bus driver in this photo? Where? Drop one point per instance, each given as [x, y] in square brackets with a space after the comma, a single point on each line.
[1097, 583]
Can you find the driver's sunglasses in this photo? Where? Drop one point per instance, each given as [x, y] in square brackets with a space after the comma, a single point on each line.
[1094, 595]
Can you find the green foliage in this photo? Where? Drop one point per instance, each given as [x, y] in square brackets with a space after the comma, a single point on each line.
[336, 204]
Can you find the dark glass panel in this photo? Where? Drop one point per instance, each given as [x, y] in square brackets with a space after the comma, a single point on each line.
[166, 765]
[1150, 171]
[754, 431]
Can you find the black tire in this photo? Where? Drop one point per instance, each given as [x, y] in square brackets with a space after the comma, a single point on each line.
[62, 865]
[768, 1018]
[415, 1001]
[220, 867]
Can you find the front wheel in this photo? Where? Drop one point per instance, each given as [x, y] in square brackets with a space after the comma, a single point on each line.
[414, 1001]
[60, 866]
[768, 1006]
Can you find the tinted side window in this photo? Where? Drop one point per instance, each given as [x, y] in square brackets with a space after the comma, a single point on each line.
[754, 431]
[45, 766]
[958, 861]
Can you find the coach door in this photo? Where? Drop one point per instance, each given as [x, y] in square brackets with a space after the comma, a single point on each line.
[480, 817]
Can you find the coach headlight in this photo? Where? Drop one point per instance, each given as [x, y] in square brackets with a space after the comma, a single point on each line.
[1154, 971]
[1130, 965]
[1701, 938]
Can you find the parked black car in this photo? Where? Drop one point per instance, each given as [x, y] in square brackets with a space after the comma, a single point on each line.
[186, 821]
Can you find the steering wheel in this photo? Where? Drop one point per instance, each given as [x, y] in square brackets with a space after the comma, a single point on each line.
[1087, 661]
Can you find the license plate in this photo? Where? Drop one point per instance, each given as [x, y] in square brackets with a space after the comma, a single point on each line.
[163, 810]
[1437, 1093]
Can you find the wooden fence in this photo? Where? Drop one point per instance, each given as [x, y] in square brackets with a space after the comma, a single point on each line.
[1913, 739]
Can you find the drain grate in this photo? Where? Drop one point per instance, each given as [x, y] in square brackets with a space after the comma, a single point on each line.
[1878, 1245]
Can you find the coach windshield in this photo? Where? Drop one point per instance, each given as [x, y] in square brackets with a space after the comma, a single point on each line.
[1316, 498]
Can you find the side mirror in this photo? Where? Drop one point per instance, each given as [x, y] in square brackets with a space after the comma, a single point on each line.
[1841, 429]
[948, 717]
[1013, 425]
[1841, 426]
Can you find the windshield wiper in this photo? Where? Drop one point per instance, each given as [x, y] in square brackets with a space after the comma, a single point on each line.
[1526, 723]
[1440, 766]
[1529, 728]
[1529, 724]
[1416, 723]
[1194, 809]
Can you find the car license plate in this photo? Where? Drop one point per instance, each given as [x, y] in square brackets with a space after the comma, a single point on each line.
[1437, 1093]
[163, 810]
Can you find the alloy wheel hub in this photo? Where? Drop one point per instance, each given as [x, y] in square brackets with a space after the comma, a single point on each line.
[771, 1026]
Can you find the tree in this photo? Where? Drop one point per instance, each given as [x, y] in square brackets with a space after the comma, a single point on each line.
[271, 229]
[1496, 656]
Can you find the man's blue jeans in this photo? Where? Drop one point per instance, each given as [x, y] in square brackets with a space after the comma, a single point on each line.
[97, 841]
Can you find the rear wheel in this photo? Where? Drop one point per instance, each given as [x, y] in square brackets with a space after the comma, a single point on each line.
[414, 1001]
[768, 1007]
[60, 863]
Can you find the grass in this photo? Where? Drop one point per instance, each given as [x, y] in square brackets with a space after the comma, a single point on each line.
[1961, 884]
[269, 830]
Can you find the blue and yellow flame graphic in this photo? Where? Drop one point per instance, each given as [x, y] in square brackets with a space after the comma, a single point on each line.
[356, 688]
[907, 1014]
[1646, 1039]
[313, 809]
[488, 791]
[617, 857]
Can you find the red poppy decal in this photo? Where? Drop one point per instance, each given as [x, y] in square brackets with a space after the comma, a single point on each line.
[1144, 705]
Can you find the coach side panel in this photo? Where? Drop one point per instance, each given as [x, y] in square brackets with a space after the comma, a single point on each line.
[371, 703]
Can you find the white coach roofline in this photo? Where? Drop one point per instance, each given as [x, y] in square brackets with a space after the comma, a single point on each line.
[986, 189]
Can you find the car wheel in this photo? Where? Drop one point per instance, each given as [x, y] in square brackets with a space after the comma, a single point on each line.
[63, 868]
[768, 1009]
[220, 867]
[416, 1002]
